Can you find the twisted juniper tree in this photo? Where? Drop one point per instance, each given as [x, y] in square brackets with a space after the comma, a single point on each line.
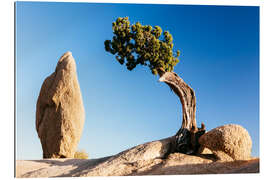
[138, 44]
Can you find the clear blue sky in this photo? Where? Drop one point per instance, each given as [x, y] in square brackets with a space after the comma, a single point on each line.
[219, 59]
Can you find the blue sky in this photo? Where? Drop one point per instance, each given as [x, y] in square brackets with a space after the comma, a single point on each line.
[219, 59]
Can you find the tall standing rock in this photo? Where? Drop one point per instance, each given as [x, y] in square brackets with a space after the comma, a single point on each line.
[59, 111]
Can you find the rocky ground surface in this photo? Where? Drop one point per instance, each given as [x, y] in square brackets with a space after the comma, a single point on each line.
[145, 159]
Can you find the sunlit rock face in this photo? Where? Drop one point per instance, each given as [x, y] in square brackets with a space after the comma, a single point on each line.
[59, 111]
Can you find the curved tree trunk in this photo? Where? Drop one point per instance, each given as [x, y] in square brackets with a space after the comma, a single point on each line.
[186, 139]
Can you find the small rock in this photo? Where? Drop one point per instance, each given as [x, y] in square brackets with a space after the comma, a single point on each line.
[204, 150]
[228, 142]
[60, 111]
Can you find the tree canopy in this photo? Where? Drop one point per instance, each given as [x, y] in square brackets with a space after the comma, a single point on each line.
[142, 44]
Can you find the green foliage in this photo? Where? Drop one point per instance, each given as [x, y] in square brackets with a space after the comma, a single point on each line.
[138, 44]
[81, 154]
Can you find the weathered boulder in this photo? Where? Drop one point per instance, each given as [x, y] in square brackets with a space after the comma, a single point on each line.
[228, 142]
[59, 111]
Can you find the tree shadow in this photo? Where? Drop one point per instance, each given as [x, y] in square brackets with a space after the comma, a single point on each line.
[167, 148]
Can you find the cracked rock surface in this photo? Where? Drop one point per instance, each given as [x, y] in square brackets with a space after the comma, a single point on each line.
[145, 159]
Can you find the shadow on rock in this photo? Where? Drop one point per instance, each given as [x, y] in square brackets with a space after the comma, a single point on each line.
[250, 166]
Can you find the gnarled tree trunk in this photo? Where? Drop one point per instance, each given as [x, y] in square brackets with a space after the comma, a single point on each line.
[186, 139]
